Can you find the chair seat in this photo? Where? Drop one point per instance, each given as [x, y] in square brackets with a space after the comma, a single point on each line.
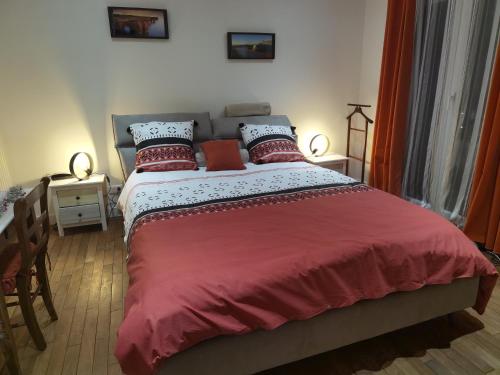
[10, 265]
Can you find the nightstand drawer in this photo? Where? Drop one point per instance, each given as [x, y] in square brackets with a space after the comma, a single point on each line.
[70, 198]
[334, 162]
[334, 166]
[79, 214]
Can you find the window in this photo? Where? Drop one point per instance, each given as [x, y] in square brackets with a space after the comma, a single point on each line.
[453, 55]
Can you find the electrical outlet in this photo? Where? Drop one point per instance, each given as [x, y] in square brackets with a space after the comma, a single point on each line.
[116, 189]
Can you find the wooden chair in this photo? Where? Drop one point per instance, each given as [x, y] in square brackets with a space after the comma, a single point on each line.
[30, 250]
[10, 358]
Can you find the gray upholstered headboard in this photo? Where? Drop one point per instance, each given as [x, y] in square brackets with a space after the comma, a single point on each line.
[220, 128]
[228, 127]
[124, 143]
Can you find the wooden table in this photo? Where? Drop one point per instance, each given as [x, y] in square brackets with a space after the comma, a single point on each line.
[7, 343]
[6, 230]
[5, 221]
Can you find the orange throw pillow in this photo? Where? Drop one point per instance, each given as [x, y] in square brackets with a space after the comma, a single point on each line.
[222, 155]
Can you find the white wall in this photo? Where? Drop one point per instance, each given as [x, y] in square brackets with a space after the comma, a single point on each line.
[373, 42]
[61, 75]
[5, 179]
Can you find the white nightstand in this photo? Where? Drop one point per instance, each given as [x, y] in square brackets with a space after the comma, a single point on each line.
[77, 203]
[334, 162]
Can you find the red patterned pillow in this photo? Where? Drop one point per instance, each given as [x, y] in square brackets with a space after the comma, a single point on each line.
[164, 146]
[270, 143]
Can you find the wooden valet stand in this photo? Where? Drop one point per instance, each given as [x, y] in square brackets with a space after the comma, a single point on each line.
[358, 108]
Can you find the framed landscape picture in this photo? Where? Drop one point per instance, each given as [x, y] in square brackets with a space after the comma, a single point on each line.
[250, 45]
[143, 23]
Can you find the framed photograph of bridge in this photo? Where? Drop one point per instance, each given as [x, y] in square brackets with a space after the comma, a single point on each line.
[250, 45]
[142, 23]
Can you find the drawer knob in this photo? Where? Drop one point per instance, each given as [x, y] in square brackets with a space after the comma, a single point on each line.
[77, 198]
[79, 215]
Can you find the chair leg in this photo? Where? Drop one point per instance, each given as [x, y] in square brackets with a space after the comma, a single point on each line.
[43, 279]
[7, 339]
[13, 364]
[23, 290]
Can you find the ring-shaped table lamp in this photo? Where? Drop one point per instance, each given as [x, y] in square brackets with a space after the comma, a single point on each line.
[81, 165]
[319, 145]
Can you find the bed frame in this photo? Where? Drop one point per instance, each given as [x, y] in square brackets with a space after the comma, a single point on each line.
[261, 350]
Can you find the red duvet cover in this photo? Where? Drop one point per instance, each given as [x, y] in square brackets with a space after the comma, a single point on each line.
[228, 268]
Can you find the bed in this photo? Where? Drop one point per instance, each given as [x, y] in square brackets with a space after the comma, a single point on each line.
[234, 272]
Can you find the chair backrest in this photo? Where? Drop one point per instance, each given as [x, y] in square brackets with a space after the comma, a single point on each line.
[32, 230]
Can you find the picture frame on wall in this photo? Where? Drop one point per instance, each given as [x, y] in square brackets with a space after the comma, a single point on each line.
[251, 46]
[139, 23]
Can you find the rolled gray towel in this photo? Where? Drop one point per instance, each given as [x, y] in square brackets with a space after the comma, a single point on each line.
[248, 109]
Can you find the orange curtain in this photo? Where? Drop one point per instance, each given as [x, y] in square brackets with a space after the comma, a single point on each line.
[389, 138]
[483, 217]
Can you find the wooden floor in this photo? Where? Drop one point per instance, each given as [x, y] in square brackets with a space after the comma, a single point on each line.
[89, 281]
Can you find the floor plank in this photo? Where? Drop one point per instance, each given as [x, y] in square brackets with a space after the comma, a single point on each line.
[89, 281]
